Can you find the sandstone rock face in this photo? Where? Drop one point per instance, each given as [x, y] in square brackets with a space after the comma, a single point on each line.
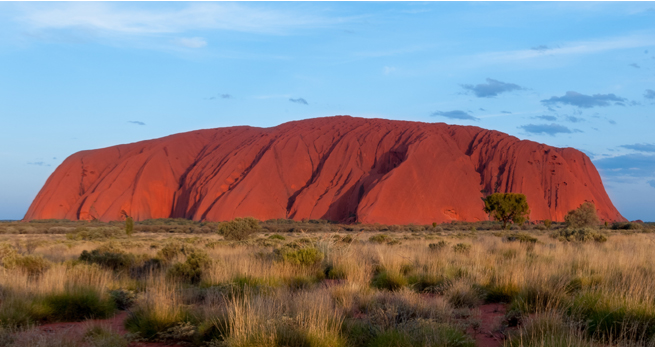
[337, 168]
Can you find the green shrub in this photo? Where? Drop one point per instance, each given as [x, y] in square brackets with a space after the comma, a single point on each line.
[239, 229]
[438, 246]
[462, 295]
[76, 303]
[192, 269]
[148, 323]
[548, 223]
[548, 330]
[306, 256]
[172, 250]
[379, 238]
[608, 318]
[626, 226]
[494, 292]
[337, 272]
[123, 299]
[389, 280]
[520, 237]
[110, 259]
[579, 235]
[277, 237]
[462, 248]
[583, 216]
[32, 264]
[429, 283]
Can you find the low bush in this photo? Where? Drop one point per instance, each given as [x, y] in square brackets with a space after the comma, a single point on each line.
[277, 237]
[626, 226]
[462, 248]
[520, 237]
[389, 280]
[463, 295]
[429, 283]
[610, 319]
[148, 323]
[304, 256]
[548, 330]
[75, 303]
[438, 246]
[239, 229]
[109, 258]
[33, 265]
[123, 299]
[579, 235]
[336, 272]
[192, 269]
[380, 238]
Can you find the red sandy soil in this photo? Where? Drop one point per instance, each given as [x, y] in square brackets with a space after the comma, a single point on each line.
[488, 334]
[336, 168]
[77, 329]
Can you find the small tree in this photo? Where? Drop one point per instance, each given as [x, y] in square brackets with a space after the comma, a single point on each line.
[507, 207]
[548, 223]
[583, 216]
[129, 226]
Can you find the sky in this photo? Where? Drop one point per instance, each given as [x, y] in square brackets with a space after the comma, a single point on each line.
[78, 76]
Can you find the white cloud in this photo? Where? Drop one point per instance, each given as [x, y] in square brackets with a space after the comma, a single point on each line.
[167, 18]
[572, 48]
[191, 42]
[388, 69]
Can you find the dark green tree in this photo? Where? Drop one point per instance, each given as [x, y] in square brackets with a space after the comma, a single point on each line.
[507, 207]
[129, 226]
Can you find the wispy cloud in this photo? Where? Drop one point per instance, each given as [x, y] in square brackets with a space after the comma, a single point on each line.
[574, 119]
[455, 114]
[584, 101]
[299, 101]
[649, 94]
[635, 65]
[221, 96]
[191, 42]
[541, 48]
[38, 163]
[134, 19]
[641, 147]
[547, 117]
[571, 48]
[136, 122]
[548, 129]
[491, 88]
[388, 69]
[651, 183]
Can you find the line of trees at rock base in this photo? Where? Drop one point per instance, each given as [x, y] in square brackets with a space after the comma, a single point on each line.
[508, 208]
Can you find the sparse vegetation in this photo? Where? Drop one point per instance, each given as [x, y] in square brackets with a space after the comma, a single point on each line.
[567, 286]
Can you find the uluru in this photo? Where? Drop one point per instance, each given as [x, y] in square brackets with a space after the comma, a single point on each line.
[338, 168]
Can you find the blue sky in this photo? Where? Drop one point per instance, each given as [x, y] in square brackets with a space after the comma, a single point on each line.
[78, 76]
